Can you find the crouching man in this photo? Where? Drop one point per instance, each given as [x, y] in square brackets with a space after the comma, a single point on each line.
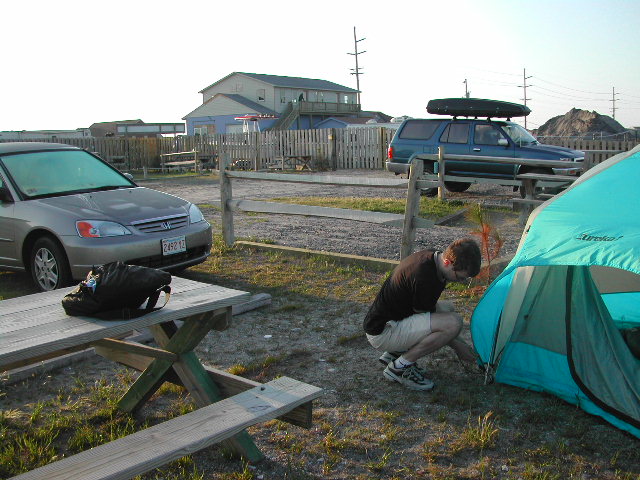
[407, 321]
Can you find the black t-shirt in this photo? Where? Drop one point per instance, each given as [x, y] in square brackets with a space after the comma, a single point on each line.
[413, 287]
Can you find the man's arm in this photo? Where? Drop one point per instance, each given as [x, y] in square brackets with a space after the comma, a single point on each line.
[464, 352]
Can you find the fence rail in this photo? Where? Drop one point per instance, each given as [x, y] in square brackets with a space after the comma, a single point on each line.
[361, 148]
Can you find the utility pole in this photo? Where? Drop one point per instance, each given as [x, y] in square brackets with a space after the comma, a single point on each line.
[356, 71]
[466, 91]
[613, 103]
[524, 86]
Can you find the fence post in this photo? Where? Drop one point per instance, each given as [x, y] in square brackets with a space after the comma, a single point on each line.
[411, 209]
[333, 152]
[441, 173]
[225, 197]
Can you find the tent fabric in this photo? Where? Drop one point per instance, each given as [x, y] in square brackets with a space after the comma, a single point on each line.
[550, 322]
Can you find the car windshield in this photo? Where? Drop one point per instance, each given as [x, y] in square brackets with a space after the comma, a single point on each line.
[60, 172]
[519, 135]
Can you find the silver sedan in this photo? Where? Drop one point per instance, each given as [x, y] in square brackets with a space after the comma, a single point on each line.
[64, 210]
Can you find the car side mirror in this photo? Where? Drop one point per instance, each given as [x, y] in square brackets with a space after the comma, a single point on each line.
[5, 195]
[503, 142]
[128, 175]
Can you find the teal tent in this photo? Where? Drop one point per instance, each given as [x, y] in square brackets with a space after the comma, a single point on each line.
[552, 320]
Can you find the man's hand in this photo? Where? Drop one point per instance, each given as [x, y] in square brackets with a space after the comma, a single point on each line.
[464, 352]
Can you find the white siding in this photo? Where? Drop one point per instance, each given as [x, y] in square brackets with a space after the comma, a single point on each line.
[243, 86]
[220, 105]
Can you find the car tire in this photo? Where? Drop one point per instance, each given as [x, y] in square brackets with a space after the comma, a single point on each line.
[537, 190]
[457, 186]
[49, 265]
[429, 192]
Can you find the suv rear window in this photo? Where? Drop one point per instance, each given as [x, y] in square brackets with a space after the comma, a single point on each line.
[419, 129]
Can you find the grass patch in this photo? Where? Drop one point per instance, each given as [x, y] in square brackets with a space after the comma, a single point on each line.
[429, 207]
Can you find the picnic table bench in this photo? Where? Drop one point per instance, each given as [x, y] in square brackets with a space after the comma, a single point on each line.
[35, 328]
[530, 181]
[197, 161]
[291, 162]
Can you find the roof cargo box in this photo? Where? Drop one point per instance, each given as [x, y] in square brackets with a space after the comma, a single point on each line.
[476, 107]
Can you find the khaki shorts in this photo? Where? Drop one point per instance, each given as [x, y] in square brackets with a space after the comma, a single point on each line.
[401, 336]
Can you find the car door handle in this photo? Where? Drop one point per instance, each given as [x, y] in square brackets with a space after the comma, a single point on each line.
[476, 149]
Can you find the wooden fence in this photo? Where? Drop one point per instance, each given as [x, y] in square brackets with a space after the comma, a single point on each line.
[417, 181]
[328, 148]
[596, 150]
[364, 148]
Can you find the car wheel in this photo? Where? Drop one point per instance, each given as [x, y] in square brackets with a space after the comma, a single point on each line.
[457, 186]
[429, 192]
[537, 189]
[49, 265]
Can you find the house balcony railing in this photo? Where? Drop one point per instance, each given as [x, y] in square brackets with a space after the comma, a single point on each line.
[327, 108]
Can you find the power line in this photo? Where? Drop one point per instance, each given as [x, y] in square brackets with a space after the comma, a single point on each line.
[569, 88]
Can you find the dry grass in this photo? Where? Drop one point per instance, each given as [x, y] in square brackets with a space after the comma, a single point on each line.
[363, 428]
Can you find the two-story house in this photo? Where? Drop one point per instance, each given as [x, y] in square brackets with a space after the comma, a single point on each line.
[276, 101]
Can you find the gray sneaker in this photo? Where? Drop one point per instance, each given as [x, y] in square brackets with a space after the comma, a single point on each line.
[387, 357]
[411, 377]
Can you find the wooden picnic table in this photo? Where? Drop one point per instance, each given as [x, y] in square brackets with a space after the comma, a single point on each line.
[35, 328]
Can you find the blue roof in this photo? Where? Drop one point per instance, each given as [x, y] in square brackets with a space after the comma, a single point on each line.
[292, 82]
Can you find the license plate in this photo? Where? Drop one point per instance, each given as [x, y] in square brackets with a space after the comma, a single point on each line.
[174, 245]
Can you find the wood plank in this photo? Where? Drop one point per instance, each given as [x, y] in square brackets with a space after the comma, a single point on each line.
[153, 447]
[528, 201]
[194, 377]
[122, 346]
[183, 341]
[547, 177]
[25, 338]
[321, 179]
[228, 383]
[534, 162]
[391, 219]
[411, 210]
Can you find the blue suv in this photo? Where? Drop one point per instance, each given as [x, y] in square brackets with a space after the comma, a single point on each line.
[473, 136]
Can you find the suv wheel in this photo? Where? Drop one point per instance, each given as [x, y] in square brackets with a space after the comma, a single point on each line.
[48, 264]
[457, 186]
[429, 192]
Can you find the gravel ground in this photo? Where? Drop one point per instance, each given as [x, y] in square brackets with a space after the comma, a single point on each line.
[335, 235]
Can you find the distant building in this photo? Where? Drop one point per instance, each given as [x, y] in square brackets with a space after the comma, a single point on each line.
[298, 103]
[29, 135]
[110, 129]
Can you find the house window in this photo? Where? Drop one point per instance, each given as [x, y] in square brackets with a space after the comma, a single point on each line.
[283, 97]
[261, 94]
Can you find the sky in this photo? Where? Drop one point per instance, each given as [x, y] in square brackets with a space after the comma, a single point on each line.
[68, 64]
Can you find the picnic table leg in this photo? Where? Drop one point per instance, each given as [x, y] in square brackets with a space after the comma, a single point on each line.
[190, 371]
[529, 186]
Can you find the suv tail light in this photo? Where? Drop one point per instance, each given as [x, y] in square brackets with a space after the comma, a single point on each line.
[390, 153]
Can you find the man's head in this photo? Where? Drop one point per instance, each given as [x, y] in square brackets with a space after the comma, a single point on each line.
[463, 256]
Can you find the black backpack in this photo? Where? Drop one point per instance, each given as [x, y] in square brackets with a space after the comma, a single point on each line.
[116, 291]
